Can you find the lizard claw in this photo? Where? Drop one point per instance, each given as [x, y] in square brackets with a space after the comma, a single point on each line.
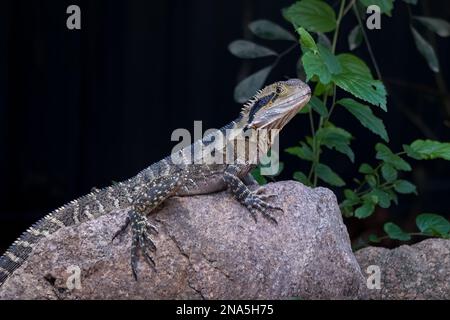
[257, 202]
[141, 240]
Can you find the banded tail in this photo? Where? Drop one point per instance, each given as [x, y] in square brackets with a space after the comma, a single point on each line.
[85, 208]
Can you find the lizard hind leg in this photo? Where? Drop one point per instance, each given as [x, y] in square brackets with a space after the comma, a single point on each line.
[141, 229]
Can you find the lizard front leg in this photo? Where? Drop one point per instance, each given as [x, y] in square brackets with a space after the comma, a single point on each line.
[253, 200]
[147, 201]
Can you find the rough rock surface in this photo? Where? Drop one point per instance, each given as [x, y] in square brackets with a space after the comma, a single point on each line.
[209, 247]
[420, 271]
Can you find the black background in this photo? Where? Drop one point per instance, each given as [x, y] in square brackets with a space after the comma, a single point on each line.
[82, 108]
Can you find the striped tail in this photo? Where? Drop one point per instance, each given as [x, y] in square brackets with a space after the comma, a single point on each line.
[88, 207]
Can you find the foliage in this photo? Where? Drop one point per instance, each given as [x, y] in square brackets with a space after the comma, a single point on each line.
[327, 71]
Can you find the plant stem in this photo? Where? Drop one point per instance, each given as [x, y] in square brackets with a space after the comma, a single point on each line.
[366, 39]
[316, 143]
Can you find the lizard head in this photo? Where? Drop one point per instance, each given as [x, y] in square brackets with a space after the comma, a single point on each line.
[273, 106]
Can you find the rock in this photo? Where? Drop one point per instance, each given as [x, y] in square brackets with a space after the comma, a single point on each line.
[209, 247]
[420, 271]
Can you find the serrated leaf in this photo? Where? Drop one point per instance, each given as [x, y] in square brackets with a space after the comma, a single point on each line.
[336, 138]
[355, 38]
[426, 50]
[315, 66]
[385, 6]
[438, 26]
[365, 210]
[428, 149]
[256, 173]
[303, 152]
[352, 64]
[385, 154]
[325, 173]
[301, 177]
[404, 186]
[329, 59]
[365, 168]
[317, 105]
[388, 172]
[249, 50]
[365, 116]
[247, 87]
[433, 224]
[269, 30]
[395, 232]
[313, 15]
[369, 90]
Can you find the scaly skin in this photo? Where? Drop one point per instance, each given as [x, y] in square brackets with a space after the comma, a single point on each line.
[271, 108]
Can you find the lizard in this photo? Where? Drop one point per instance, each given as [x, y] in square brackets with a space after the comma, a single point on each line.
[183, 173]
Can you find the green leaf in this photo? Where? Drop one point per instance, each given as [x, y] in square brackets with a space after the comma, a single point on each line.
[388, 172]
[404, 186]
[352, 64]
[426, 50]
[336, 138]
[303, 152]
[433, 224]
[256, 173]
[307, 41]
[247, 87]
[314, 66]
[325, 173]
[369, 90]
[318, 106]
[355, 38]
[386, 6]
[384, 199]
[373, 238]
[395, 232]
[371, 180]
[365, 168]
[313, 15]
[322, 89]
[428, 149]
[365, 210]
[351, 195]
[269, 30]
[438, 26]
[365, 116]
[329, 59]
[249, 50]
[301, 177]
[385, 154]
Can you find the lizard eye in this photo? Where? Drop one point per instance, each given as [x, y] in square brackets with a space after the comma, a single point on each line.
[278, 90]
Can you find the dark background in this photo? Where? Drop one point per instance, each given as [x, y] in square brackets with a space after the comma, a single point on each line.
[82, 108]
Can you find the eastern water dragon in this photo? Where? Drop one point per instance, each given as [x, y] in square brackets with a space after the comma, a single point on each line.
[183, 173]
